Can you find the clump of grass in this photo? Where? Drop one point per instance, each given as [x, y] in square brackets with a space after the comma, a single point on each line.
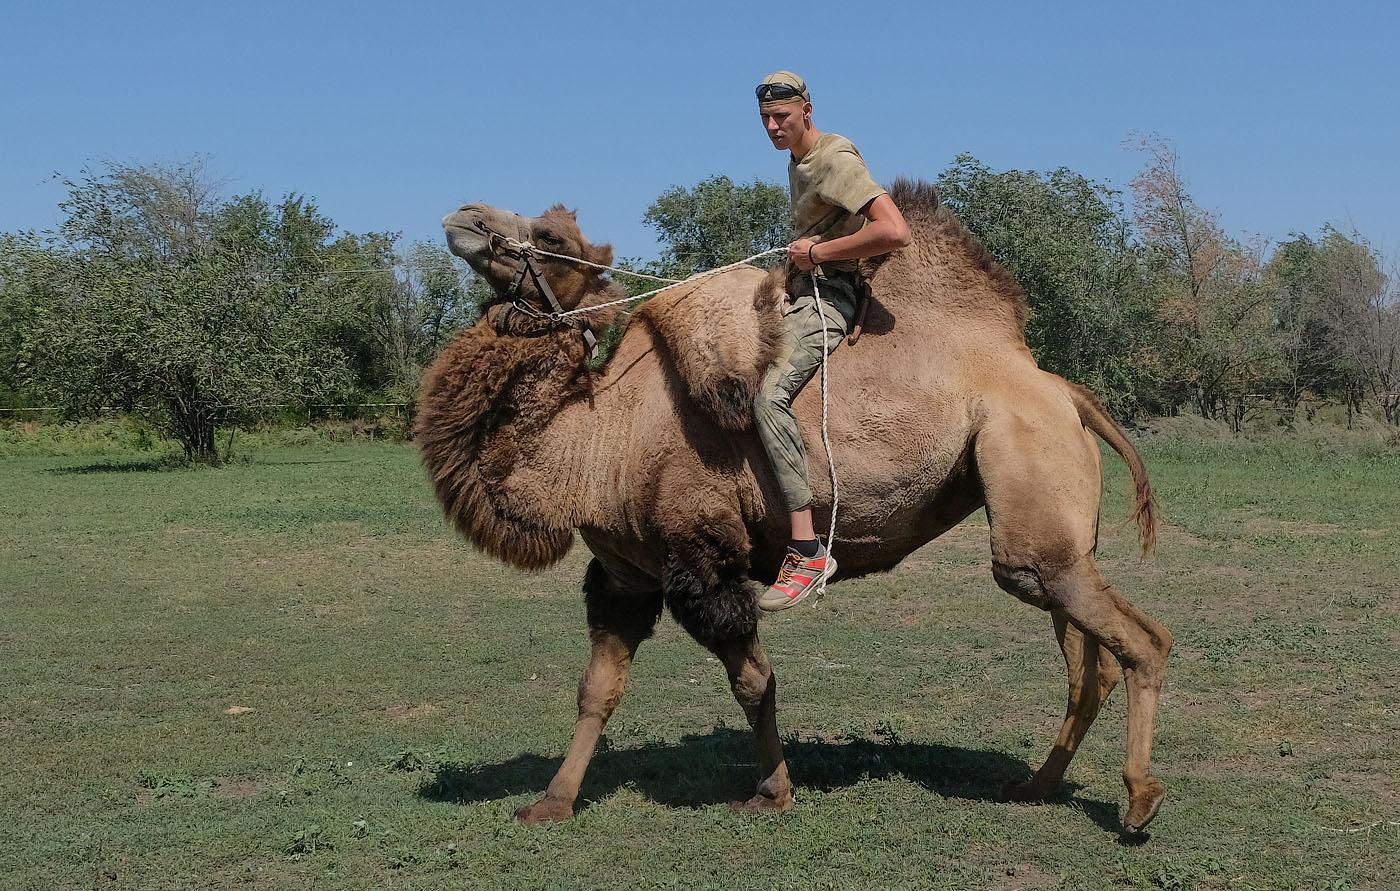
[115, 434]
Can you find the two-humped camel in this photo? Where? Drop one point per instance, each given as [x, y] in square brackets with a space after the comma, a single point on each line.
[939, 410]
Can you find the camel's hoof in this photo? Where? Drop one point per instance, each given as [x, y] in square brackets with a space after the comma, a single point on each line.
[762, 804]
[1143, 806]
[546, 810]
[1028, 790]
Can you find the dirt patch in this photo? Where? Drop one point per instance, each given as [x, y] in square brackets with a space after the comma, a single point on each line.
[410, 712]
[1229, 572]
[1024, 877]
[236, 788]
[1368, 783]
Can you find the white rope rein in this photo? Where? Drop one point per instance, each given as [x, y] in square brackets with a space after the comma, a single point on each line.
[527, 246]
[826, 437]
[672, 283]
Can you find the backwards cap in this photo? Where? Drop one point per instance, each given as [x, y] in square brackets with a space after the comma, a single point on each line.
[792, 80]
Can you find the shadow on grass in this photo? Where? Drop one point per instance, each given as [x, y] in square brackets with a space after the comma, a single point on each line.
[147, 465]
[718, 767]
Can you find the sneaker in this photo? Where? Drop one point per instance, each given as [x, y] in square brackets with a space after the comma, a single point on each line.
[798, 577]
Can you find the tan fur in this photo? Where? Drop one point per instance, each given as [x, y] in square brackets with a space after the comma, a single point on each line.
[939, 411]
[720, 341]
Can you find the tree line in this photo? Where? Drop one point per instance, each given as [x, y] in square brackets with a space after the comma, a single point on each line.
[160, 295]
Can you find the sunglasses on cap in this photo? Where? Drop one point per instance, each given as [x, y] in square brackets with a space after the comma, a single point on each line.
[777, 92]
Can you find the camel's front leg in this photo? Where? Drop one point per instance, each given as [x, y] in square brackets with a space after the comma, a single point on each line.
[618, 623]
[755, 686]
[706, 585]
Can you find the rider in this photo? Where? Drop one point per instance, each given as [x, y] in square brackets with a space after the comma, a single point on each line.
[839, 215]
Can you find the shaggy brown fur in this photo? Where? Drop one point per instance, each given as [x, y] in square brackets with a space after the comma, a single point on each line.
[939, 411]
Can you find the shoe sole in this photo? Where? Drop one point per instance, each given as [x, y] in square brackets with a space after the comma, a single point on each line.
[811, 589]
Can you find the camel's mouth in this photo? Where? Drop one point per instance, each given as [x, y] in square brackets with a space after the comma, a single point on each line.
[466, 243]
[469, 231]
[465, 238]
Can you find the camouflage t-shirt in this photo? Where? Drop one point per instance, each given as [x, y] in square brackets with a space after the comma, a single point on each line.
[828, 187]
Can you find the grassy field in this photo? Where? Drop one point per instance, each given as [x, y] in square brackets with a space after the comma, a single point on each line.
[289, 674]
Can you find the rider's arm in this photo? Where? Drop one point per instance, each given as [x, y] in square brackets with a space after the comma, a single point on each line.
[886, 231]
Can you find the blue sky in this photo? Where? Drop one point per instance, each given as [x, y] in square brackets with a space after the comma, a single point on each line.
[1285, 114]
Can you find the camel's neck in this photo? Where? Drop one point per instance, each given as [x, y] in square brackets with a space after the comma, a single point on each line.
[489, 426]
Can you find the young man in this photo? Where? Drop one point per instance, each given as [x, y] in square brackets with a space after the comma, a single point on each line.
[839, 215]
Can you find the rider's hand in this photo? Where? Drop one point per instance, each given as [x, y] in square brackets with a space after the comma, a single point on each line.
[799, 254]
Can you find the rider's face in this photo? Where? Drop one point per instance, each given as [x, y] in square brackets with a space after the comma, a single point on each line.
[786, 123]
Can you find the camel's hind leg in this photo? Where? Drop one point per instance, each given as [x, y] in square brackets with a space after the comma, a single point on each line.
[1092, 676]
[1141, 646]
[618, 622]
[1041, 478]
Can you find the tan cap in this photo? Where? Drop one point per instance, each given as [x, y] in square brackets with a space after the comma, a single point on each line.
[786, 78]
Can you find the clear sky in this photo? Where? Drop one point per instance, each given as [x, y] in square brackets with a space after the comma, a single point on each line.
[1285, 113]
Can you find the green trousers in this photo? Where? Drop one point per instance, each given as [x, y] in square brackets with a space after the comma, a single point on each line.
[795, 366]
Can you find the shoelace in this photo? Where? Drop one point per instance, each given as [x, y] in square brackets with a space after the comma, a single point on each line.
[790, 563]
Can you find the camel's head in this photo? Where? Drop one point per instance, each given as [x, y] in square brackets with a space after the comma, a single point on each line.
[477, 233]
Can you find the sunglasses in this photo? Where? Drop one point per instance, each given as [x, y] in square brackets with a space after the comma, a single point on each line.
[777, 92]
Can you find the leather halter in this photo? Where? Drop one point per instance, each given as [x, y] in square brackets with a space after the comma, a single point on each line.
[525, 253]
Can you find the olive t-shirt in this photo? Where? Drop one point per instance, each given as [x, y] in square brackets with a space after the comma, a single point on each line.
[828, 187]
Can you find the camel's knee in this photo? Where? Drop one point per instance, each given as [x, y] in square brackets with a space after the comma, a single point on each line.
[1138, 643]
[1023, 583]
[598, 697]
[1161, 638]
[752, 684]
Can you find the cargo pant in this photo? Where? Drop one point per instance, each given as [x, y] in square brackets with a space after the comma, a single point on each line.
[796, 364]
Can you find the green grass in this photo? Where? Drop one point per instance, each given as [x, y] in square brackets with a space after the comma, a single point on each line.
[407, 694]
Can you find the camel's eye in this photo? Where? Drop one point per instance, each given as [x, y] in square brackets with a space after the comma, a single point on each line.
[549, 238]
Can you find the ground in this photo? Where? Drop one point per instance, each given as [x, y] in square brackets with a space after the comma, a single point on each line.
[288, 673]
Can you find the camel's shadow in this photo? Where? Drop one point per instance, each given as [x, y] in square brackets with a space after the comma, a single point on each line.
[714, 768]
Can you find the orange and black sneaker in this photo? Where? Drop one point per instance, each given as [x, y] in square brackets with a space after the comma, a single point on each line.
[798, 577]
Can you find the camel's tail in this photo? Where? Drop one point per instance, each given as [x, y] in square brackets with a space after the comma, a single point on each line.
[1095, 417]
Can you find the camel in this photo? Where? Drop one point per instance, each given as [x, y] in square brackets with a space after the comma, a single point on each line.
[939, 410]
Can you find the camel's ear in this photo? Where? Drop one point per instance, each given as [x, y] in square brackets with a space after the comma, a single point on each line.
[602, 254]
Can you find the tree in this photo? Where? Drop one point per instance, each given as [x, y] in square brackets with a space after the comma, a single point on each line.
[159, 297]
[18, 251]
[414, 315]
[1337, 314]
[716, 222]
[1219, 341]
[1068, 241]
[1292, 272]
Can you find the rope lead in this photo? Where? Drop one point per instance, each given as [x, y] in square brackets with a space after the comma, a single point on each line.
[826, 438]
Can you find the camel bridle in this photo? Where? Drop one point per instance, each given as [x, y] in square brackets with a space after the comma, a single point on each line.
[525, 252]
